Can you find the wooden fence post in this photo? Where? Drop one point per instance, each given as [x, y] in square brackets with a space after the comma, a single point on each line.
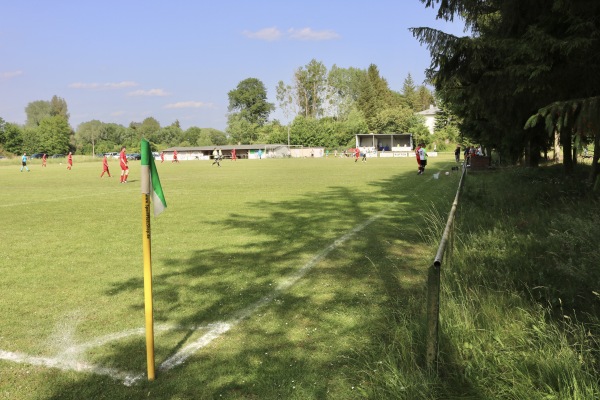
[433, 315]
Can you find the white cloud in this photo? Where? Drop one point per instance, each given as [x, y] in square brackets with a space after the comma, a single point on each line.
[272, 34]
[268, 34]
[151, 92]
[189, 104]
[10, 74]
[309, 34]
[101, 86]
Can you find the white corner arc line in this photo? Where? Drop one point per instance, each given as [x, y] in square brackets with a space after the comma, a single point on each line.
[65, 365]
[218, 329]
[215, 330]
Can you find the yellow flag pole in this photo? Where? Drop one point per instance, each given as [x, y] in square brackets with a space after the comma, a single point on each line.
[146, 240]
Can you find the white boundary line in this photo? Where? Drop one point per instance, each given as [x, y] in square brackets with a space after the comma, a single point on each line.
[65, 361]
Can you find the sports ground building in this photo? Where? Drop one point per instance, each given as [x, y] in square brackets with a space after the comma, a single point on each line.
[374, 145]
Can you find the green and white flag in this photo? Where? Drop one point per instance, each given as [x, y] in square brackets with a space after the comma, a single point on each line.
[150, 181]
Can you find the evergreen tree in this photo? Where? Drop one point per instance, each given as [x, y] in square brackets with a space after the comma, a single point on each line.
[523, 55]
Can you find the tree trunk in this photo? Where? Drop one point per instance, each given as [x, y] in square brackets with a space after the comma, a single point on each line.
[595, 172]
[528, 153]
[565, 139]
[556, 147]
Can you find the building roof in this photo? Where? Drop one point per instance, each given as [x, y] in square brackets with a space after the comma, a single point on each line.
[431, 111]
[228, 147]
[382, 134]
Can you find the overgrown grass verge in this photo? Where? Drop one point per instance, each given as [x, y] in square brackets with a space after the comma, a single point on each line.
[519, 297]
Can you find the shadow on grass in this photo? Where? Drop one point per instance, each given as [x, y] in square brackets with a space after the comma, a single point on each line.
[307, 340]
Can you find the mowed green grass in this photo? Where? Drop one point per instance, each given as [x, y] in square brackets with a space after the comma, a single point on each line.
[72, 273]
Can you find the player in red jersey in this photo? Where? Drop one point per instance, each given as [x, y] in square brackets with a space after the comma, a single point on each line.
[175, 156]
[356, 154]
[105, 167]
[162, 156]
[44, 156]
[70, 161]
[233, 155]
[124, 167]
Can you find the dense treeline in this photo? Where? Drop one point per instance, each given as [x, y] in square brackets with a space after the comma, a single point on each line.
[526, 81]
[326, 108]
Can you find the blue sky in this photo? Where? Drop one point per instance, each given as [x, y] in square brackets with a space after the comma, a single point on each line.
[123, 61]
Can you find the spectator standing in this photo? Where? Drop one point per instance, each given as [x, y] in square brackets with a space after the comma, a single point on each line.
[466, 155]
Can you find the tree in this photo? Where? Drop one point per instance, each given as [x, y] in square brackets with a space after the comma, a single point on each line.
[409, 91]
[375, 95]
[310, 85]
[31, 141]
[88, 133]
[423, 98]
[249, 99]
[36, 111]
[12, 138]
[58, 106]
[306, 131]
[286, 97]
[116, 136]
[522, 57]
[2, 127]
[149, 129]
[344, 89]
[272, 132]
[216, 136]
[240, 130]
[578, 117]
[191, 136]
[170, 135]
[54, 135]
[395, 120]
[349, 127]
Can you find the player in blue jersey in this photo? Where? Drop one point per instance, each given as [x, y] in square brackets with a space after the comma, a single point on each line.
[24, 162]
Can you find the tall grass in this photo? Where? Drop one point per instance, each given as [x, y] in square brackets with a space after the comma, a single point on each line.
[519, 296]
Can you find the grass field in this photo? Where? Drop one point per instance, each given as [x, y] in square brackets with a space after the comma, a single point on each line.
[272, 278]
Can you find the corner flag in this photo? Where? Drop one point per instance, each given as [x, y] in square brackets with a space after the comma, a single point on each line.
[150, 181]
[150, 188]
